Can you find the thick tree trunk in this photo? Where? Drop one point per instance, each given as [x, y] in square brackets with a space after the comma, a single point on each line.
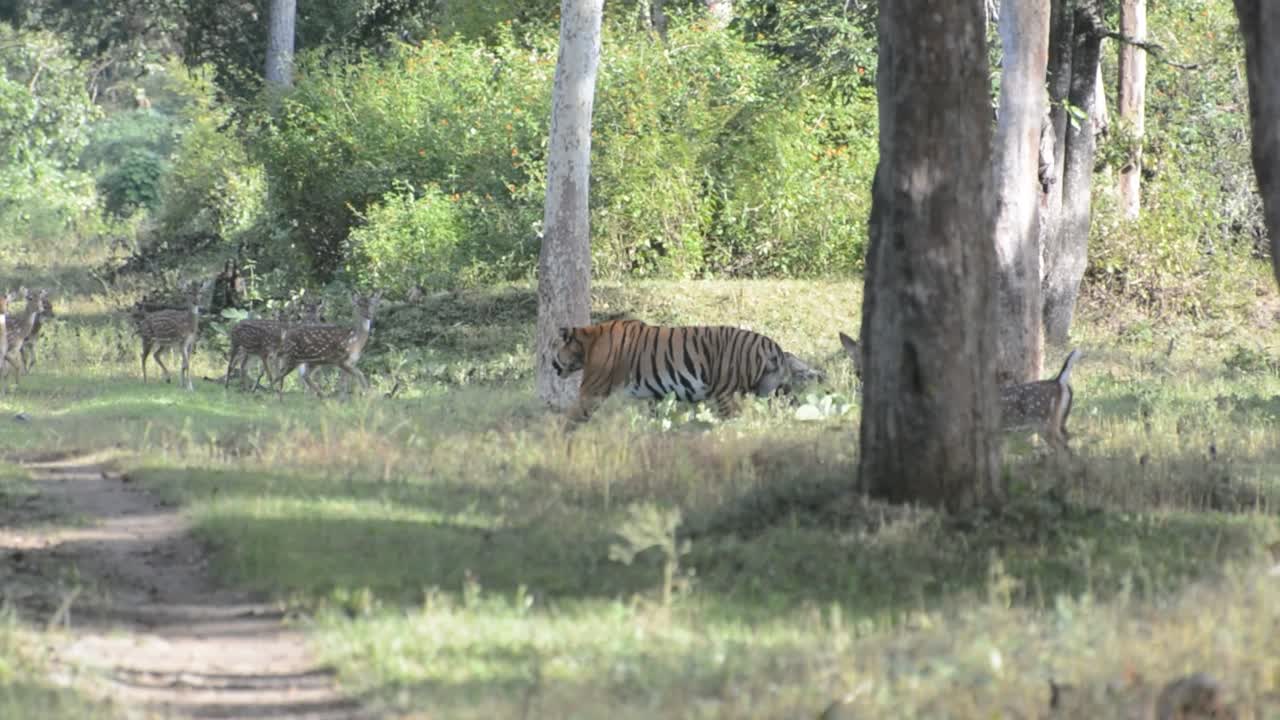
[1067, 253]
[280, 21]
[564, 262]
[1260, 26]
[1053, 141]
[1131, 92]
[928, 410]
[1024, 34]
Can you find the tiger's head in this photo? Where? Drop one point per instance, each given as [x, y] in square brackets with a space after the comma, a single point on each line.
[571, 353]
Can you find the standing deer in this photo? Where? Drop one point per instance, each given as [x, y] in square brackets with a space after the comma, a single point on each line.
[262, 339]
[163, 329]
[5, 297]
[1041, 406]
[29, 345]
[16, 333]
[328, 344]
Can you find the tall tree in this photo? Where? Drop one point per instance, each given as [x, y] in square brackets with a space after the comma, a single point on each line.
[1131, 92]
[1260, 26]
[280, 22]
[720, 12]
[1066, 248]
[928, 411]
[564, 261]
[1024, 37]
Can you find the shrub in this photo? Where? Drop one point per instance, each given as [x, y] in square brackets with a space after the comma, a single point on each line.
[795, 187]
[409, 239]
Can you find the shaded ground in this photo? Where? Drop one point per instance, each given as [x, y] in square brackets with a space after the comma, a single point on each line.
[120, 572]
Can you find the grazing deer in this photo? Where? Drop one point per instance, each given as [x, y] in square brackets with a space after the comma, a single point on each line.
[328, 344]
[262, 339]
[1041, 406]
[29, 345]
[17, 332]
[163, 329]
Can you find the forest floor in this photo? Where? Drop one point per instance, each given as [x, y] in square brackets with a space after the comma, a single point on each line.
[441, 548]
[146, 624]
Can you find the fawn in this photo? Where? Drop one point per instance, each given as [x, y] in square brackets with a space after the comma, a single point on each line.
[29, 345]
[162, 329]
[1041, 406]
[328, 344]
[263, 338]
[17, 332]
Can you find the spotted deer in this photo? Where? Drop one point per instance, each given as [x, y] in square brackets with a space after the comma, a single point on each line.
[29, 345]
[1041, 406]
[5, 298]
[262, 338]
[328, 344]
[17, 332]
[163, 329]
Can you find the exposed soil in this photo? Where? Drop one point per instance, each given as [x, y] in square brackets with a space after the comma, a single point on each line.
[144, 625]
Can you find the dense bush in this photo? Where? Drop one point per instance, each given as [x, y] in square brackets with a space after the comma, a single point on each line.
[128, 154]
[212, 188]
[1200, 215]
[44, 112]
[409, 239]
[704, 158]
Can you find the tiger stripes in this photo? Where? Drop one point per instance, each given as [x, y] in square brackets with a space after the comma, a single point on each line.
[694, 363]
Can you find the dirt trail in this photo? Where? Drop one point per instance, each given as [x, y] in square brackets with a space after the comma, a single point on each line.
[158, 637]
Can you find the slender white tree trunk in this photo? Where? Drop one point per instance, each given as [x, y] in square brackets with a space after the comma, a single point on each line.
[1260, 26]
[280, 22]
[1024, 35]
[564, 262]
[1131, 92]
[721, 13]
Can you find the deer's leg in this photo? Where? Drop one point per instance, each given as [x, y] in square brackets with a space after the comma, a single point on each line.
[231, 363]
[184, 376]
[285, 369]
[353, 371]
[146, 350]
[155, 355]
[304, 372]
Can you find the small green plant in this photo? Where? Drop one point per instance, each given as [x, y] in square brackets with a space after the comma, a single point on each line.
[649, 526]
[1246, 360]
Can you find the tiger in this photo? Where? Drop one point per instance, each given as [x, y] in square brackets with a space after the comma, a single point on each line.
[694, 363]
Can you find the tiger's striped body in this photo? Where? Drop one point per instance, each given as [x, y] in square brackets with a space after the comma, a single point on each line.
[693, 363]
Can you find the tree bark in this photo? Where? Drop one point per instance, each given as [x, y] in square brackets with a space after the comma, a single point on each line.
[1067, 251]
[1024, 35]
[1131, 91]
[564, 260]
[1053, 141]
[928, 412]
[280, 22]
[1260, 26]
[720, 12]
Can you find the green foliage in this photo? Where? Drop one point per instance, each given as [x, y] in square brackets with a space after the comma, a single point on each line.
[694, 166]
[409, 239]
[1180, 256]
[44, 113]
[128, 154]
[795, 184]
[212, 187]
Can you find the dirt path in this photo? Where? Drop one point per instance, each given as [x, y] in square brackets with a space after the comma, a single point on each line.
[146, 626]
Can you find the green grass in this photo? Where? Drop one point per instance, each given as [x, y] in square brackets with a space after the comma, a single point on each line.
[449, 549]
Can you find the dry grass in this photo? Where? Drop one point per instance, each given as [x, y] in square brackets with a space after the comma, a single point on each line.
[450, 548]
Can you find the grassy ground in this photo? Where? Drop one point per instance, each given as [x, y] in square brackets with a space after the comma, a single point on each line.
[456, 555]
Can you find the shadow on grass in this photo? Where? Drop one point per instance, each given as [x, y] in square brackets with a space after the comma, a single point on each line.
[308, 542]
[30, 699]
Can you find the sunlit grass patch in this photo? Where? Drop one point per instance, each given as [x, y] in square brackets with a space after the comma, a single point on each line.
[27, 689]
